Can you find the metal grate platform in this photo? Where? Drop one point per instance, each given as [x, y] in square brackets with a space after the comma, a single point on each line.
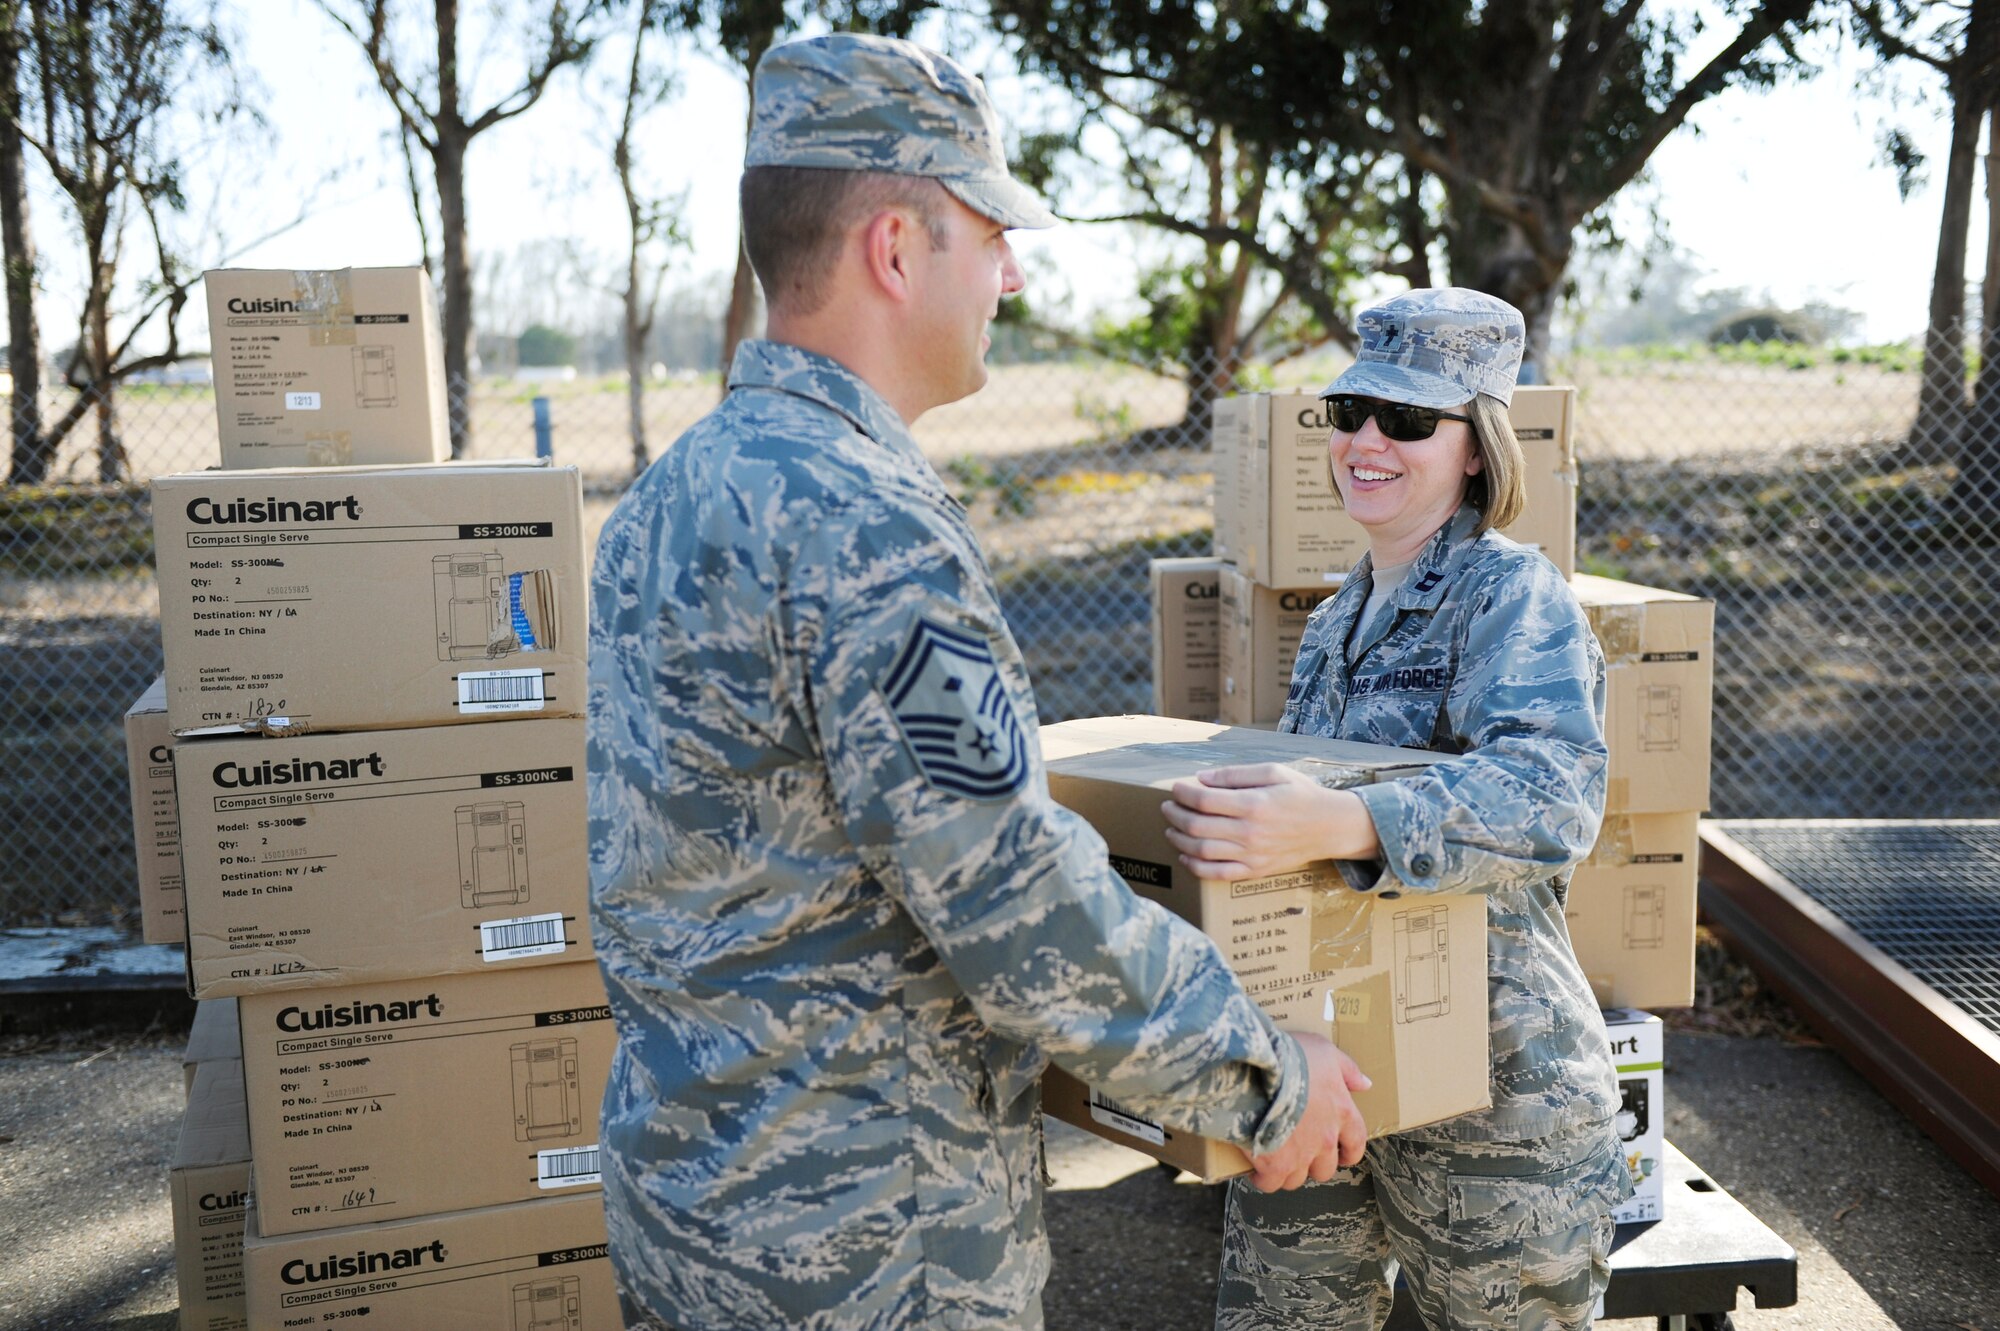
[1926, 894]
[1886, 936]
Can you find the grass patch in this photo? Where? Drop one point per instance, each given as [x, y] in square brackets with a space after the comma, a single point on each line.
[70, 529]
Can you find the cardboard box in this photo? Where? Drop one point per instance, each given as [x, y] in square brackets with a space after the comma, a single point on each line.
[352, 858]
[1187, 667]
[1660, 647]
[366, 598]
[1544, 420]
[533, 1266]
[327, 367]
[1281, 521]
[156, 829]
[418, 1096]
[1631, 910]
[1400, 983]
[214, 1035]
[1638, 1052]
[210, 1183]
[1261, 628]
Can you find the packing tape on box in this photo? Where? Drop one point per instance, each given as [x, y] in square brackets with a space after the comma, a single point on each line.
[1333, 776]
[1343, 931]
[1614, 841]
[329, 448]
[1619, 629]
[326, 305]
[1364, 1030]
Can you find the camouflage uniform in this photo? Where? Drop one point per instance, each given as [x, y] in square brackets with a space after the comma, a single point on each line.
[841, 921]
[1499, 1218]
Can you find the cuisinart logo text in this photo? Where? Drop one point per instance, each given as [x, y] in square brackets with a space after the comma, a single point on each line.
[262, 305]
[357, 1013]
[235, 776]
[206, 512]
[232, 1201]
[363, 1263]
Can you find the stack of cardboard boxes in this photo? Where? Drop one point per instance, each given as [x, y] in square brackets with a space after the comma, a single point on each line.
[1399, 984]
[1226, 631]
[1285, 542]
[372, 721]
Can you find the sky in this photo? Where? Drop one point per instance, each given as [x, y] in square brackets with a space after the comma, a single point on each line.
[1778, 192]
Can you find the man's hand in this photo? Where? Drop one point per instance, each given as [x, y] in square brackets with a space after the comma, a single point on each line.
[1330, 1135]
[1252, 821]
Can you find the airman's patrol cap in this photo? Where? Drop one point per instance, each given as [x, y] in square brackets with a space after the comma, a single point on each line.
[851, 102]
[1436, 347]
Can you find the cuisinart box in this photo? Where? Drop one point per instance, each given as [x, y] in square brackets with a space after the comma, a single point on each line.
[1660, 647]
[351, 858]
[1639, 1055]
[327, 367]
[1261, 629]
[1631, 910]
[366, 598]
[156, 832]
[1400, 984]
[425, 1095]
[210, 1182]
[1280, 520]
[543, 1265]
[1186, 637]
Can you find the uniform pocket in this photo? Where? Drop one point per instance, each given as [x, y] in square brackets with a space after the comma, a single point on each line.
[1530, 1251]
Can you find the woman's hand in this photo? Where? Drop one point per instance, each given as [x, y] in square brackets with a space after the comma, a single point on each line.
[1232, 823]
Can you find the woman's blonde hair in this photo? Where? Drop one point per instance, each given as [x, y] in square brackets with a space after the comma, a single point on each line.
[1499, 491]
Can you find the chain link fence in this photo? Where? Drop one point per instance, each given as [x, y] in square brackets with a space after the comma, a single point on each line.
[1850, 540]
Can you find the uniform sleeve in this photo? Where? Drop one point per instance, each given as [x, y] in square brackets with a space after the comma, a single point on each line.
[1524, 800]
[916, 692]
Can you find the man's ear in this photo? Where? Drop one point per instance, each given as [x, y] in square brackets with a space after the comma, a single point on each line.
[885, 242]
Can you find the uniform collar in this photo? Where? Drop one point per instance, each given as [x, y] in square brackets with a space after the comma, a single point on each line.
[1437, 566]
[760, 363]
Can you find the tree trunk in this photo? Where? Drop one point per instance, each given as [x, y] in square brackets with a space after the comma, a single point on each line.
[1491, 256]
[448, 160]
[1975, 495]
[457, 312]
[30, 452]
[1941, 394]
[743, 286]
[110, 453]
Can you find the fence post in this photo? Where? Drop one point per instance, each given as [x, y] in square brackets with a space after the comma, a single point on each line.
[545, 443]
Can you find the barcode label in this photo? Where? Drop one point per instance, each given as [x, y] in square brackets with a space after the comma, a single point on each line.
[527, 936]
[501, 691]
[567, 1168]
[1105, 1110]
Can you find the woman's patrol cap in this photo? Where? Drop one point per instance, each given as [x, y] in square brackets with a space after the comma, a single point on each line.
[1436, 347]
[851, 102]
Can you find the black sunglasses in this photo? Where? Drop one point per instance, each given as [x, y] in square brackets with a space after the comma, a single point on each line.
[1404, 424]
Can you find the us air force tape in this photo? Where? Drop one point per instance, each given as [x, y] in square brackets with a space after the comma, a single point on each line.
[951, 704]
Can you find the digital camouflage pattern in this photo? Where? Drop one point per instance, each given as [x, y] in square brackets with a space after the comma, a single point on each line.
[1487, 656]
[1436, 347]
[1489, 1236]
[853, 102]
[841, 922]
[1499, 1218]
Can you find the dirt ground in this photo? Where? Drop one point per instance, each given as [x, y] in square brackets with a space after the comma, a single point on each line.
[1626, 411]
[1890, 1234]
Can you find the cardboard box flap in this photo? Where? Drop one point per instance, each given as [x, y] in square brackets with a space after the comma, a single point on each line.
[215, 1033]
[216, 1128]
[1635, 623]
[1158, 750]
